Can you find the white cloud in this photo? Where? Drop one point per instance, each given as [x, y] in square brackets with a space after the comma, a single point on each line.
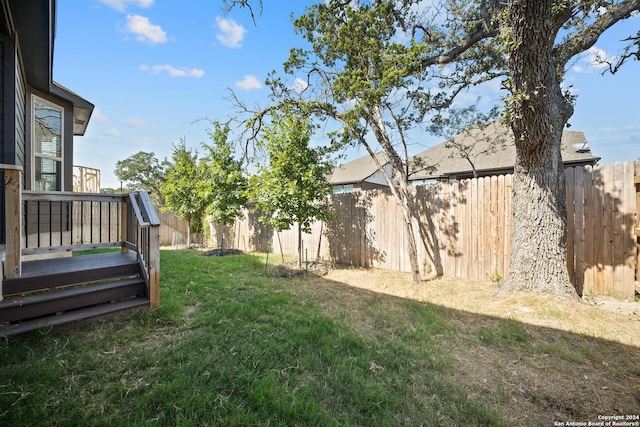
[594, 59]
[113, 132]
[596, 56]
[172, 71]
[135, 122]
[97, 115]
[299, 85]
[248, 83]
[144, 30]
[231, 34]
[121, 5]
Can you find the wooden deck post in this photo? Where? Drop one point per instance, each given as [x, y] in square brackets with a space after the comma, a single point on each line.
[13, 219]
[124, 225]
[154, 249]
[154, 265]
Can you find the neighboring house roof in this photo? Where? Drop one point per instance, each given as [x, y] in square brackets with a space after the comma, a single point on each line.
[447, 161]
[356, 171]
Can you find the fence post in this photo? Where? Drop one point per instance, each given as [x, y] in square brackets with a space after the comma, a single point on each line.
[636, 180]
[13, 219]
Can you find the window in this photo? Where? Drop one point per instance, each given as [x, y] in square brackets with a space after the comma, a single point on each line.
[338, 189]
[47, 146]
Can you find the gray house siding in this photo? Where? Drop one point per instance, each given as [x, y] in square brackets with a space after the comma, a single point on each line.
[20, 145]
[3, 139]
[2, 108]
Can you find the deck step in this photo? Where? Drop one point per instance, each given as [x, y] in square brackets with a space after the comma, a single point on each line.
[61, 272]
[98, 312]
[32, 306]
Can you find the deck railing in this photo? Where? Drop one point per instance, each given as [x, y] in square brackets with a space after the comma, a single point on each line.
[40, 222]
[142, 227]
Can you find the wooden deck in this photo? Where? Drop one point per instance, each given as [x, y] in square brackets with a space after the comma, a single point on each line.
[58, 272]
[63, 291]
[59, 291]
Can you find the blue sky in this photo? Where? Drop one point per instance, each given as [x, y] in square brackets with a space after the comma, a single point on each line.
[155, 68]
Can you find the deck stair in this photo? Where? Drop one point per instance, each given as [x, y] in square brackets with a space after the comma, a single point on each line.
[60, 291]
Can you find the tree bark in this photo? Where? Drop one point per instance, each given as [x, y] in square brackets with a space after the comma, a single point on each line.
[539, 113]
[403, 194]
[408, 212]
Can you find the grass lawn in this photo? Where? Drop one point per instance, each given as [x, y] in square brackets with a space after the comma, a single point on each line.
[233, 345]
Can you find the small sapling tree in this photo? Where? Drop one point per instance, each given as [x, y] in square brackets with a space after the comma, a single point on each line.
[224, 180]
[292, 187]
[184, 189]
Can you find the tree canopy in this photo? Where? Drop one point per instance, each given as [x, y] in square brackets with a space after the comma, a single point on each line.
[381, 67]
[292, 187]
[185, 189]
[225, 182]
[373, 69]
[143, 171]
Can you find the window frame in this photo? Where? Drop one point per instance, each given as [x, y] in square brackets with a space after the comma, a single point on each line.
[34, 154]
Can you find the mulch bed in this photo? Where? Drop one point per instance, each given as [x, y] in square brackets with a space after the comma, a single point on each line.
[291, 269]
[222, 252]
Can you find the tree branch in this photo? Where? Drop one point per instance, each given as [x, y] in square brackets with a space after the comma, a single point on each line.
[587, 38]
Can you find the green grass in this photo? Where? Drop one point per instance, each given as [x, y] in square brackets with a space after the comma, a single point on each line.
[233, 345]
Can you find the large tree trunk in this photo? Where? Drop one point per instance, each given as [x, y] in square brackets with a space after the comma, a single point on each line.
[403, 195]
[408, 212]
[539, 113]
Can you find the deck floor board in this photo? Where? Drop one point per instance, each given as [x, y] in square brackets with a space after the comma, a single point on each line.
[71, 264]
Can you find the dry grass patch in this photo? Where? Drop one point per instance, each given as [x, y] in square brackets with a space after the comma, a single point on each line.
[605, 318]
[535, 359]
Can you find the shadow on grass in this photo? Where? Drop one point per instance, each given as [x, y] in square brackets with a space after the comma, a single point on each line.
[233, 345]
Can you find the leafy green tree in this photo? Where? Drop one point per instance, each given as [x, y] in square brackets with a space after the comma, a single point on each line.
[184, 189]
[292, 187]
[537, 40]
[367, 70]
[224, 179]
[143, 171]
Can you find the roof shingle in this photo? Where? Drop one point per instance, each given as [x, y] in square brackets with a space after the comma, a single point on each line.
[499, 157]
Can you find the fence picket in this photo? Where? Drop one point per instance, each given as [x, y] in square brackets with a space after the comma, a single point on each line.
[569, 178]
[628, 204]
[468, 227]
[589, 232]
[578, 228]
[618, 224]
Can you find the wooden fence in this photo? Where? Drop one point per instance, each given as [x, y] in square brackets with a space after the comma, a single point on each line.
[465, 226]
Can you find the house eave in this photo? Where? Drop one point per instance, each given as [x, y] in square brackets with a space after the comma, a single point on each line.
[82, 109]
[33, 23]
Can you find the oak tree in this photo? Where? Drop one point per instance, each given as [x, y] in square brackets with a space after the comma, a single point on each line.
[541, 37]
[355, 64]
[143, 171]
[368, 70]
